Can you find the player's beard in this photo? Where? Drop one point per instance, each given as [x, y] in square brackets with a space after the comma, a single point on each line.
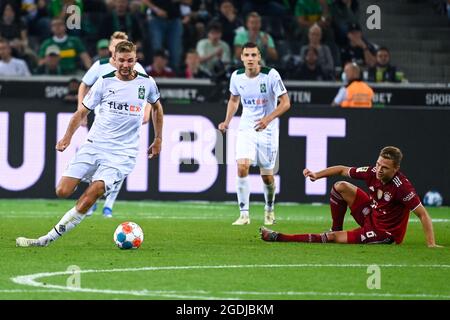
[126, 73]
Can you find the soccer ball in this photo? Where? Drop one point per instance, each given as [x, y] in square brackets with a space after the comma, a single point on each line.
[432, 199]
[128, 235]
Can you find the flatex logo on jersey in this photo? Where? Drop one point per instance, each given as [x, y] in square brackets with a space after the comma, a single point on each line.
[254, 102]
[124, 108]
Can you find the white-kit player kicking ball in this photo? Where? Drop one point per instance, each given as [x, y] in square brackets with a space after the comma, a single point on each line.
[125, 98]
[97, 70]
[258, 89]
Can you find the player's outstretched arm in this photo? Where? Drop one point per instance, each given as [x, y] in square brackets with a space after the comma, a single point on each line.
[74, 124]
[157, 114]
[427, 226]
[283, 106]
[232, 107]
[328, 172]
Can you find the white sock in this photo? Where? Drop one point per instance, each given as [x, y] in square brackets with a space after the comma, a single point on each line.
[70, 220]
[269, 195]
[243, 195]
[111, 198]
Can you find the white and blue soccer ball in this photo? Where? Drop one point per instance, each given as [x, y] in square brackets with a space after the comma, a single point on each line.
[432, 199]
[128, 235]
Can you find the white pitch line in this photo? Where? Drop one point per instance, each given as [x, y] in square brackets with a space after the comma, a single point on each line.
[27, 291]
[149, 216]
[340, 294]
[31, 280]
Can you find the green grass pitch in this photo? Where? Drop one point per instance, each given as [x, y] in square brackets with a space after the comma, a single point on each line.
[191, 251]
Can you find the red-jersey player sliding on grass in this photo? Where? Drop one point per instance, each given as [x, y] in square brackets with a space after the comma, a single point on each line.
[382, 213]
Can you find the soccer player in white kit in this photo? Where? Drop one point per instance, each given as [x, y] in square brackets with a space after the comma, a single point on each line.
[125, 99]
[259, 89]
[98, 69]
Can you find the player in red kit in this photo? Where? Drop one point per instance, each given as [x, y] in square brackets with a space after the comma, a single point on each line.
[382, 213]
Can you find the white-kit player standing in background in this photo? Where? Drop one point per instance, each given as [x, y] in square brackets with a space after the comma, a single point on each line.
[258, 89]
[125, 99]
[97, 70]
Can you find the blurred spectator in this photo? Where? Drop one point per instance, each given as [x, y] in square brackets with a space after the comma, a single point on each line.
[51, 63]
[165, 24]
[308, 12]
[358, 50]
[212, 50]
[159, 68]
[72, 90]
[194, 16]
[254, 34]
[102, 49]
[121, 19]
[229, 20]
[325, 59]
[344, 13]
[355, 93]
[383, 71]
[13, 29]
[264, 7]
[10, 66]
[37, 18]
[193, 68]
[311, 69]
[71, 47]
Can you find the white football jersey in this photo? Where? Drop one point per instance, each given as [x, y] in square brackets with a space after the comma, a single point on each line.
[102, 67]
[121, 106]
[259, 95]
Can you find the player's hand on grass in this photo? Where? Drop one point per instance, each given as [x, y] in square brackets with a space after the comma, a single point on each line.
[154, 149]
[62, 144]
[309, 174]
[223, 127]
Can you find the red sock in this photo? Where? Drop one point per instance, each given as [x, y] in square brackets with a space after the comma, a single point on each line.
[308, 237]
[338, 208]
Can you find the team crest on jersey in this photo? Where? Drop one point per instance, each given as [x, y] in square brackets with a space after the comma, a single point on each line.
[262, 87]
[141, 92]
[366, 211]
[379, 194]
[387, 196]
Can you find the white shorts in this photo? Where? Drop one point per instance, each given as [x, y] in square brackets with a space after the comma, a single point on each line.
[260, 147]
[91, 164]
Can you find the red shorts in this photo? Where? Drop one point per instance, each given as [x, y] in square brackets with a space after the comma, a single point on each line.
[367, 233]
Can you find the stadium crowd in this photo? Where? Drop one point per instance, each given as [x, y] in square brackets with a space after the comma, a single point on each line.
[303, 39]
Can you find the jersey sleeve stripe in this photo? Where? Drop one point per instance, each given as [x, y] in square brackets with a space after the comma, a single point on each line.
[348, 172]
[86, 107]
[417, 206]
[155, 101]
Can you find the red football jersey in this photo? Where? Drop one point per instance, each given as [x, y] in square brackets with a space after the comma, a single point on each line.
[391, 202]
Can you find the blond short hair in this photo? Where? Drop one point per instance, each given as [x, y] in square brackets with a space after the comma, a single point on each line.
[119, 35]
[125, 46]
